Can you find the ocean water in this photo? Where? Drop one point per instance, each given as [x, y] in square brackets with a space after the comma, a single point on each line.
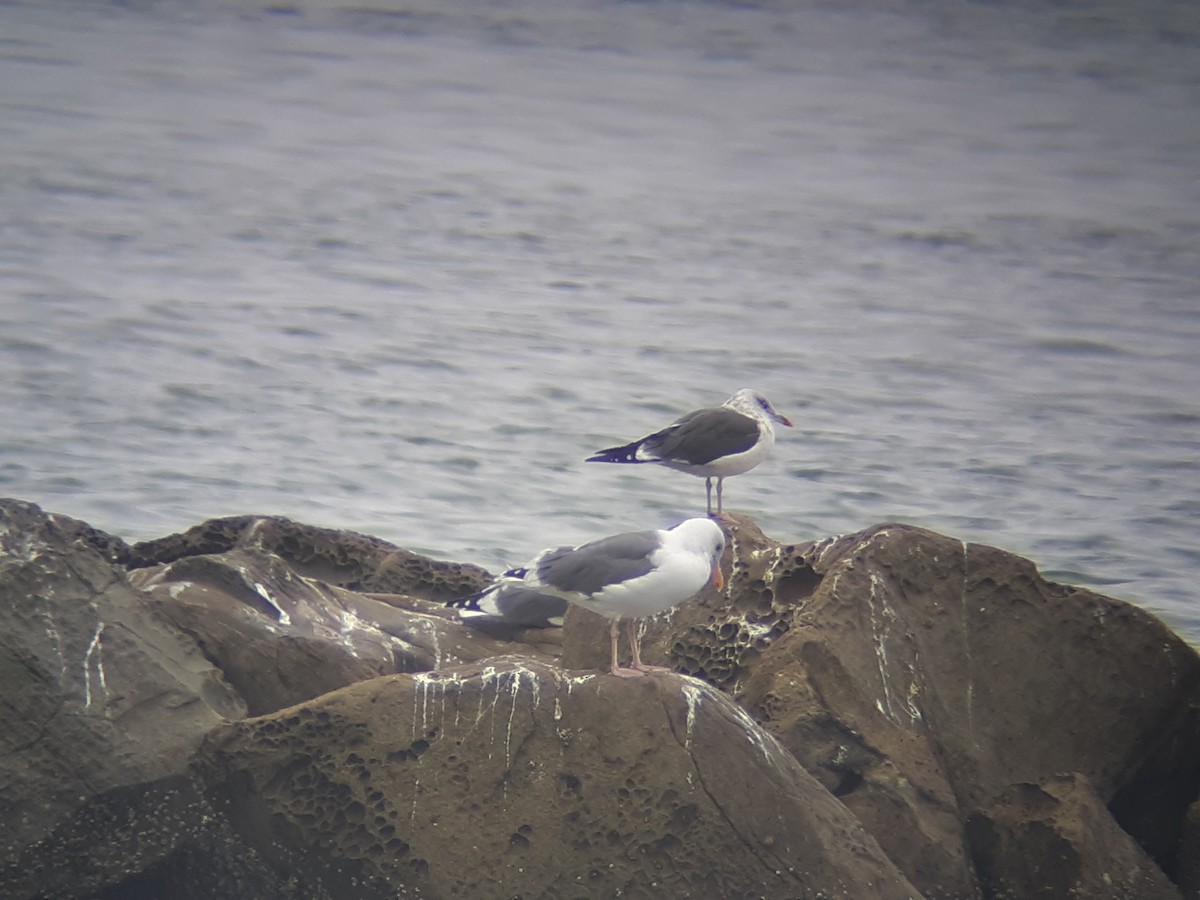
[400, 267]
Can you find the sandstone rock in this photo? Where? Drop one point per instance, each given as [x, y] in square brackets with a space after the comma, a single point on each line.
[519, 779]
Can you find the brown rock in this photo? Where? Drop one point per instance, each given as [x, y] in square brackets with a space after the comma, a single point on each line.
[1057, 839]
[281, 638]
[103, 703]
[925, 682]
[346, 559]
[520, 779]
[918, 676]
[1189, 854]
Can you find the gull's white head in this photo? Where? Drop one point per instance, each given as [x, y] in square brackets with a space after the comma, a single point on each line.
[752, 403]
[704, 538]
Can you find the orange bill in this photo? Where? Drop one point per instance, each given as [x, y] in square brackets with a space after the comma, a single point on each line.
[718, 579]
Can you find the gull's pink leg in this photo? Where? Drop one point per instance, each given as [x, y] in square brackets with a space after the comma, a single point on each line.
[616, 666]
[637, 655]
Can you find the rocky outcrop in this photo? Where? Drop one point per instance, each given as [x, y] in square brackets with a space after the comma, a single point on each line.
[918, 677]
[357, 562]
[259, 708]
[281, 638]
[519, 779]
[103, 701]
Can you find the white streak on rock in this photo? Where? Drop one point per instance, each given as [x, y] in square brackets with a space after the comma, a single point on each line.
[440, 684]
[56, 638]
[491, 677]
[428, 626]
[425, 707]
[914, 693]
[692, 695]
[880, 612]
[284, 618]
[94, 648]
[766, 743]
[512, 714]
[434, 639]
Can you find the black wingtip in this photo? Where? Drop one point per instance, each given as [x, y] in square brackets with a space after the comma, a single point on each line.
[626, 454]
[471, 602]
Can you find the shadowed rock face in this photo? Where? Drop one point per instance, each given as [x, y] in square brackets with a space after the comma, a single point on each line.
[1027, 844]
[102, 698]
[914, 716]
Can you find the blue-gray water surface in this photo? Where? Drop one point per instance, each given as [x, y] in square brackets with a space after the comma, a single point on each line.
[399, 267]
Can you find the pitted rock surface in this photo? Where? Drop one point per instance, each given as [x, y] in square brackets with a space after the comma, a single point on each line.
[928, 674]
[767, 584]
[716, 637]
[518, 779]
[918, 676]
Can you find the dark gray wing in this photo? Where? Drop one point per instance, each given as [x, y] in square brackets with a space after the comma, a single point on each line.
[704, 435]
[521, 606]
[508, 604]
[590, 568]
